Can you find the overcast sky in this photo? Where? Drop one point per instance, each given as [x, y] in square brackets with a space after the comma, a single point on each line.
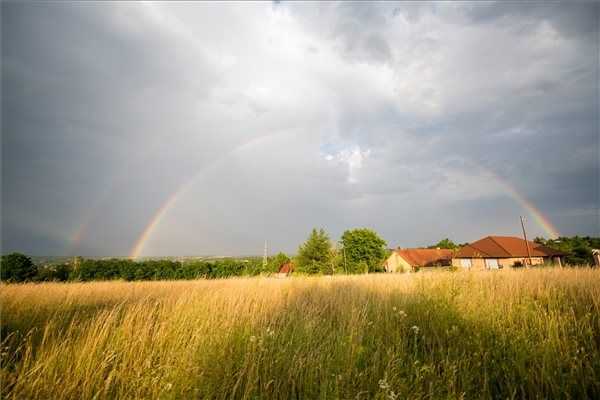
[239, 123]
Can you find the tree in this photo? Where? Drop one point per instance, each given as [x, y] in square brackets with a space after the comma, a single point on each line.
[315, 254]
[444, 244]
[363, 247]
[17, 267]
[55, 272]
[578, 249]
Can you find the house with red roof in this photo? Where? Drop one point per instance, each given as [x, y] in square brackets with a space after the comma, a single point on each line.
[494, 252]
[406, 260]
[285, 269]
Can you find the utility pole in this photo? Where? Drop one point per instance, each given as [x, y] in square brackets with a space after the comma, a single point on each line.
[265, 262]
[525, 237]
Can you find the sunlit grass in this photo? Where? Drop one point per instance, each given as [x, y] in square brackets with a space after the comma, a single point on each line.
[506, 334]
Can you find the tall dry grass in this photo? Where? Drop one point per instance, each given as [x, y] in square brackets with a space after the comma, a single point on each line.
[508, 334]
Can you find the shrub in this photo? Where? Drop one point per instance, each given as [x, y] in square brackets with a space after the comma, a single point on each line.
[56, 273]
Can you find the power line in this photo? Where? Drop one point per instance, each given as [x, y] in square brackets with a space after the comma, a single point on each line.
[525, 237]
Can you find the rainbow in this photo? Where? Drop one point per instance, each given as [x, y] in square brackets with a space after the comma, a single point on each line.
[541, 220]
[154, 221]
[139, 244]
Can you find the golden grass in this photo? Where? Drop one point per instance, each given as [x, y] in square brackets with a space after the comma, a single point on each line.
[508, 334]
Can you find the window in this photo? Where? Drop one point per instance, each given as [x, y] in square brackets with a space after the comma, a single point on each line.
[491, 263]
[465, 262]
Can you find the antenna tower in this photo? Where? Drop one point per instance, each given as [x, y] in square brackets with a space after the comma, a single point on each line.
[265, 255]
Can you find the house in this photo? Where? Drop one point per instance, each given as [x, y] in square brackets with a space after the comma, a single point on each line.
[285, 269]
[596, 255]
[404, 260]
[493, 252]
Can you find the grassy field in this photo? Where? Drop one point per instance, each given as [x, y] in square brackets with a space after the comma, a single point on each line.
[505, 334]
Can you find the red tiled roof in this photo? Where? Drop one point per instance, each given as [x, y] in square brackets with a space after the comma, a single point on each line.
[286, 268]
[425, 257]
[504, 247]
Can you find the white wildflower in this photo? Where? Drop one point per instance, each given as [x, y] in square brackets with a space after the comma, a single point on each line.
[415, 329]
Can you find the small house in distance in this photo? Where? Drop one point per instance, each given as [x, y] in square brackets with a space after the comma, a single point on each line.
[404, 260]
[285, 269]
[494, 252]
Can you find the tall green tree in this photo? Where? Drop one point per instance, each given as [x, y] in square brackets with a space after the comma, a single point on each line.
[314, 255]
[17, 267]
[363, 249]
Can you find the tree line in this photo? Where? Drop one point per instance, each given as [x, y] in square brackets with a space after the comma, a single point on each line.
[362, 250]
[577, 248]
[18, 267]
[358, 251]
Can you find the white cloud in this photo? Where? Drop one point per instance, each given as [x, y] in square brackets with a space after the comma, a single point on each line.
[352, 158]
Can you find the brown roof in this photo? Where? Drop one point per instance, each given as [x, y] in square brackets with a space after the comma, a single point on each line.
[425, 257]
[286, 268]
[504, 247]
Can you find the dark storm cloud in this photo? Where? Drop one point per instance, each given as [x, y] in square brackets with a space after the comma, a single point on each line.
[86, 111]
[277, 118]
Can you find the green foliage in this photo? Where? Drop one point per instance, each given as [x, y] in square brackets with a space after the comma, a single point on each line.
[130, 270]
[362, 267]
[337, 261]
[364, 250]
[53, 273]
[315, 255]
[578, 249]
[444, 244]
[17, 267]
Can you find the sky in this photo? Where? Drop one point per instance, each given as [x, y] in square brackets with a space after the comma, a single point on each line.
[155, 129]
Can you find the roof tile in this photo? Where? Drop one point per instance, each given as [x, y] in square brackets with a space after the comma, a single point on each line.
[504, 247]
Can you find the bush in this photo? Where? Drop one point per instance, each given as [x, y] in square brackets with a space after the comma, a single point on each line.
[53, 273]
[17, 267]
